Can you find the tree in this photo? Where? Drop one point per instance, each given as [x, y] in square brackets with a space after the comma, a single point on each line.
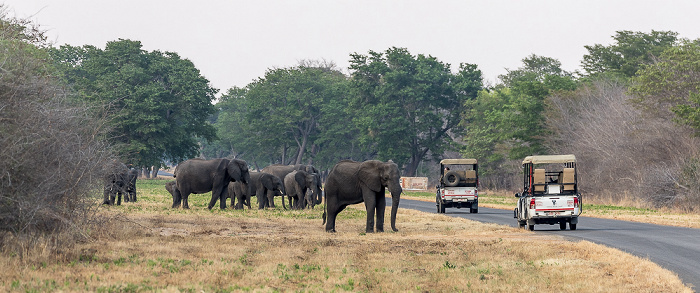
[630, 51]
[285, 116]
[508, 122]
[407, 106]
[157, 103]
[672, 84]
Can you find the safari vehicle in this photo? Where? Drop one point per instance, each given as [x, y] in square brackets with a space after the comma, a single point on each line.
[550, 192]
[458, 185]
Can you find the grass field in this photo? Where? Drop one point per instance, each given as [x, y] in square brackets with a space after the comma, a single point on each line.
[149, 247]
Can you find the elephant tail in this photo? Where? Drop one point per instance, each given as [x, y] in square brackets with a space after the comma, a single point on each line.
[325, 207]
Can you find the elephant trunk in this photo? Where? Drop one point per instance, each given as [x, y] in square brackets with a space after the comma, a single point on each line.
[395, 198]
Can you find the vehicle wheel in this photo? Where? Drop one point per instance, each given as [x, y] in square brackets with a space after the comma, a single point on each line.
[531, 227]
[451, 178]
[572, 227]
[562, 225]
[474, 210]
[521, 224]
[442, 208]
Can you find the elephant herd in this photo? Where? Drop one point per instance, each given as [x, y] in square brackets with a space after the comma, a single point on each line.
[349, 182]
[119, 181]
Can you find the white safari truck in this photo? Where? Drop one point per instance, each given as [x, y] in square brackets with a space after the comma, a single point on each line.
[550, 192]
[458, 186]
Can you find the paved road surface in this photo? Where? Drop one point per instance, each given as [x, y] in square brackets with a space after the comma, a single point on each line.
[674, 248]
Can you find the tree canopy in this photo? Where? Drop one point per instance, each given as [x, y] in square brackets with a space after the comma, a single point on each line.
[407, 106]
[285, 116]
[630, 51]
[508, 121]
[157, 103]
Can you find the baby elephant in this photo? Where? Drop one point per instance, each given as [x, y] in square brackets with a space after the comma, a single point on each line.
[296, 184]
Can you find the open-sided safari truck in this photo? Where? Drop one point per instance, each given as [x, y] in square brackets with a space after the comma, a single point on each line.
[458, 186]
[550, 192]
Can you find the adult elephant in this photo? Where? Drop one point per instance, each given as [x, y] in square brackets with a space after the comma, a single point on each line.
[296, 184]
[115, 183]
[131, 185]
[351, 182]
[281, 171]
[201, 176]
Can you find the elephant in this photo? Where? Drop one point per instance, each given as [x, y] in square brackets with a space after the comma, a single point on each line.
[116, 182]
[170, 186]
[131, 185]
[351, 182]
[266, 187]
[201, 176]
[239, 191]
[281, 171]
[296, 184]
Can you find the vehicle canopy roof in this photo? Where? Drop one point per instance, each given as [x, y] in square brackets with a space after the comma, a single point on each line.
[551, 159]
[458, 162]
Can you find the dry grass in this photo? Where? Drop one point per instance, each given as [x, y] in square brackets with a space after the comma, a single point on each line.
[154, 248]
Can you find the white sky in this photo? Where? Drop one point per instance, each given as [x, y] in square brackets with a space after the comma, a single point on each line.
[234, 42]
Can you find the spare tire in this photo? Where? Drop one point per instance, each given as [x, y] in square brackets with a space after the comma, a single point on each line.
[451, 178]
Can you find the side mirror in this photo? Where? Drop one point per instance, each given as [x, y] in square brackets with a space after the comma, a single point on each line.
[517, 194]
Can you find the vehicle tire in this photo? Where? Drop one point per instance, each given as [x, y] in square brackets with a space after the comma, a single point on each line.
[562, 225]
[442, 208]
[531, 227]
[572, 227]
[451, 178]
[474, 210]
[521, 224]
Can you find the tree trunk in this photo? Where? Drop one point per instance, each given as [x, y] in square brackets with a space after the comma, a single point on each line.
[154, 173]
[146, 172]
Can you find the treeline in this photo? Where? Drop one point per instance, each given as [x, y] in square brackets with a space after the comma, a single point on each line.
[630, 113]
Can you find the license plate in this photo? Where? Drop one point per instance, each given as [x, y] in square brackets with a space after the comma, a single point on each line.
[552, 213]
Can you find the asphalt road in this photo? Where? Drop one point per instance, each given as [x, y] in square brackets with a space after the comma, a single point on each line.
[674, 248]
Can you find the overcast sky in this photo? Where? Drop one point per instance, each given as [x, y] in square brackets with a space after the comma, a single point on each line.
[234, 42]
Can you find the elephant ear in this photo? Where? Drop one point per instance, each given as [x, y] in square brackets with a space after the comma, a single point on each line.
[300, 178]
[370, 175]
[267, 180]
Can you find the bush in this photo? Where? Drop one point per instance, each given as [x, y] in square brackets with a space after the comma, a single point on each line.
[622, 152]
[51, 159]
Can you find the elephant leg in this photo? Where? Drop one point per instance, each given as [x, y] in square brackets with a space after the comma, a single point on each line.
[185, 205]
[235, 205]
[270, 197]
[262, 199]
[217, 193]
[247, 200]
[330, 218]
[381, 207]
[370, 206]
[177, 198]
[106, 197]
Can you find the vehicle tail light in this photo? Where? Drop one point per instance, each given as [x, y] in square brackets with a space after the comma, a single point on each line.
[532, 203]
[576, 201]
